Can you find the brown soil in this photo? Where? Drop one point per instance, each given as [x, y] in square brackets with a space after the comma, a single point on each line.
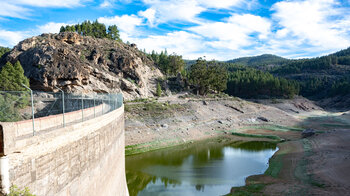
[330, 161]
[193, 119]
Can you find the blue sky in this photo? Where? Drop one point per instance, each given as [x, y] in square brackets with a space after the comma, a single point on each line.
[216, 29]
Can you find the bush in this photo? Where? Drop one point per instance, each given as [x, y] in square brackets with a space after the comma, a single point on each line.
[159, 90]
[15, 191]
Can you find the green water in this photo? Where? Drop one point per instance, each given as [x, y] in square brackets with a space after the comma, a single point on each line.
[204, 168]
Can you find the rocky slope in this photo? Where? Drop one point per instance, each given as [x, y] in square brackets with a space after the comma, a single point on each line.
[174, 119]
[84, 64]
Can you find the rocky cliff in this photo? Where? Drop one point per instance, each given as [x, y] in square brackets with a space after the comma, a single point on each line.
[84, 64]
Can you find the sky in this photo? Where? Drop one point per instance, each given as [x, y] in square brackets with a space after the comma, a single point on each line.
[215, 29]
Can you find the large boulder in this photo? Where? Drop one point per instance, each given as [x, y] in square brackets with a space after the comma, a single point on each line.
[84, 64]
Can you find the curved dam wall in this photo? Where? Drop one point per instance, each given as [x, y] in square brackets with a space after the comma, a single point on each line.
[86, 158]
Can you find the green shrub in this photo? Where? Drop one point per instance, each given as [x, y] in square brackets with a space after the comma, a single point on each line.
[15, 191]
[159, 90]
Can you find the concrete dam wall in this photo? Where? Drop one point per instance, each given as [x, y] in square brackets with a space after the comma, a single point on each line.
[85, 158]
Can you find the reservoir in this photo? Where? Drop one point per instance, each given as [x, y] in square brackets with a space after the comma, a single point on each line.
[208, 167]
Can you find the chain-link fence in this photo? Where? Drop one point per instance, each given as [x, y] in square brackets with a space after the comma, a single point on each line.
[62, 108]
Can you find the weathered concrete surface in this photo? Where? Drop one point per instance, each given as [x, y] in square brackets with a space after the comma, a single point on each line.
[25, 127]
[82, 159]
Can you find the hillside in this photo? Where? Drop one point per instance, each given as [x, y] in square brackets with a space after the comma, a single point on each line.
[321, 77]
[325, 78]
[261, 60]
[85, 64]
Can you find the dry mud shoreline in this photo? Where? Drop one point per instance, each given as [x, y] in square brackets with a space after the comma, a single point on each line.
[312, 166]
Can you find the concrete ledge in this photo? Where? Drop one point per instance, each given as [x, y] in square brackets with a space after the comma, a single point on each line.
[86, 158]
[25, 127]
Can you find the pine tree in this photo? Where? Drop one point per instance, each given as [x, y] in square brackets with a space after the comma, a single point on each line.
[12, 77]
[20, 77]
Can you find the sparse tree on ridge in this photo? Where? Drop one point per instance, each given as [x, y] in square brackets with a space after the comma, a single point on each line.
[94, 29]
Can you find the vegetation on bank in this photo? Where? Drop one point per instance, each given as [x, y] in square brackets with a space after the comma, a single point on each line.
[206, 76]
[272, 127]
[273, 137]
[203, 76]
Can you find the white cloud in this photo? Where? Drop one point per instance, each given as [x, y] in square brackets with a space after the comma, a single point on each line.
[49, 3]
[126, 23]
[11, 38]
[181, 10]
[162, 11]
[106, 3]
[180, 42]
[23, 8]
[235, 32]
[296, 28]
[51, 27]
[318, 23]
[220, 4]
[149, 14]
[15, 11]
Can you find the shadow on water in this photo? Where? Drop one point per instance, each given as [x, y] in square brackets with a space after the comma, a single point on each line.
[210, 167]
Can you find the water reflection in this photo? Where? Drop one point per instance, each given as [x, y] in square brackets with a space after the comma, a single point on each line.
[205, 168]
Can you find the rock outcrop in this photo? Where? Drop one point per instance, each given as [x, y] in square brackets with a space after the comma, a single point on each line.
[83, 64]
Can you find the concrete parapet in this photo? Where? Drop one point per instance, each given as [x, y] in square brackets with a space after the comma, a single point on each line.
[25, 127]
[85, 158]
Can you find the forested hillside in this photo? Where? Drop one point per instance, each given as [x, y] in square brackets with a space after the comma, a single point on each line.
[248, 82]
[319, 77]
[259, 61]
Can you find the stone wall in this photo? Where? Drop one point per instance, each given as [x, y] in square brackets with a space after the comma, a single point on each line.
[81, 159]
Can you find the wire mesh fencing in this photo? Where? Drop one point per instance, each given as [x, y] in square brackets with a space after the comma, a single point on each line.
[61, 108]
[13, 106]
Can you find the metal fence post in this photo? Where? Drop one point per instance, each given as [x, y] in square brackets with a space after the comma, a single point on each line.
[64, 122]
[102, 105]
[31, 96]
[109, 101]
[113, 102]
[93, 96]
[82, 108]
